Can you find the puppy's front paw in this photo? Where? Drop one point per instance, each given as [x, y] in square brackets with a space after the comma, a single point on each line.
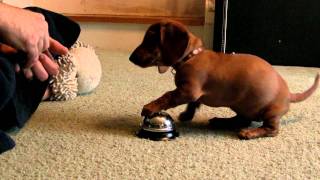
[185, 116]
[148, 110]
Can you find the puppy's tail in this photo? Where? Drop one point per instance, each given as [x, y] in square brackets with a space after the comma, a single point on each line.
[297, 97]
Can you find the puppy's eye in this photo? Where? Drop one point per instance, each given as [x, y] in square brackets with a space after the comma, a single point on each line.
[151, 38]
[151, 33]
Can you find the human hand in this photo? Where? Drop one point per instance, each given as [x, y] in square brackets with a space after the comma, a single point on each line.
[28, 32]
[45, 65]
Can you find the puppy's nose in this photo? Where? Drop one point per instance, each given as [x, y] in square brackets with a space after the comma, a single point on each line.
[134, 57]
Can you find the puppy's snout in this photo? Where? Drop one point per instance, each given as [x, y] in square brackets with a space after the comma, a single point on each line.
[144, 57]
[134, 57]
[138, 58]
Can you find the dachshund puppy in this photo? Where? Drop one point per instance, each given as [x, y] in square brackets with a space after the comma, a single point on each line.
[245, 83]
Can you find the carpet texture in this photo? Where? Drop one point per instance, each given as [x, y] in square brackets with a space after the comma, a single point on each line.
[92, 137]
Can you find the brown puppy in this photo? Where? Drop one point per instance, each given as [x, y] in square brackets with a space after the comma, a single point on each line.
[245, 83]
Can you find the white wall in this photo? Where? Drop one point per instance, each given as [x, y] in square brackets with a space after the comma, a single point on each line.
[125, 37]
[19, 3]
[118, 37]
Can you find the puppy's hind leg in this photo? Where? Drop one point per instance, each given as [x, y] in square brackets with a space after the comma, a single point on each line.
[188, 114]
[271, 123]
[232, 123]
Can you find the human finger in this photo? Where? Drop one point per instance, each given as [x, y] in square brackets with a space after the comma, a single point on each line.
[17, 68]
[46, 43]
[45, 40]
[28, 73]
[49, 65]
[39, 71]
[41, 47]
[32, 57]
[57, 48]
[48, 53]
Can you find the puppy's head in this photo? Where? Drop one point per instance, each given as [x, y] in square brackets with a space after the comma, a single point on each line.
[163, 45]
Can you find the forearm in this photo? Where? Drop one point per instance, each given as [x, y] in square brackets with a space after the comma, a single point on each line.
[5, 11]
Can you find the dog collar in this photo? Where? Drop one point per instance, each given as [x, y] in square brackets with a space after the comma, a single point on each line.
[188, 56]
[192, 53]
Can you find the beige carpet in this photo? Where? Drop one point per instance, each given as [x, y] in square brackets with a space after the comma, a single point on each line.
[92, 137]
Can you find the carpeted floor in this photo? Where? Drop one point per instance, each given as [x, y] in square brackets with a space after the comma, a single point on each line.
[92, 137]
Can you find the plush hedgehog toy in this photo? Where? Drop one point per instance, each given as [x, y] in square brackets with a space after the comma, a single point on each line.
[79, 73]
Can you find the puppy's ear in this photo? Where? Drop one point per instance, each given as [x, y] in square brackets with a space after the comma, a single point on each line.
[174, 41]
[162, 33]
[174, 35]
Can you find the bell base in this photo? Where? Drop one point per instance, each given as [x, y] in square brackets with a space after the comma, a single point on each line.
[157, 136]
